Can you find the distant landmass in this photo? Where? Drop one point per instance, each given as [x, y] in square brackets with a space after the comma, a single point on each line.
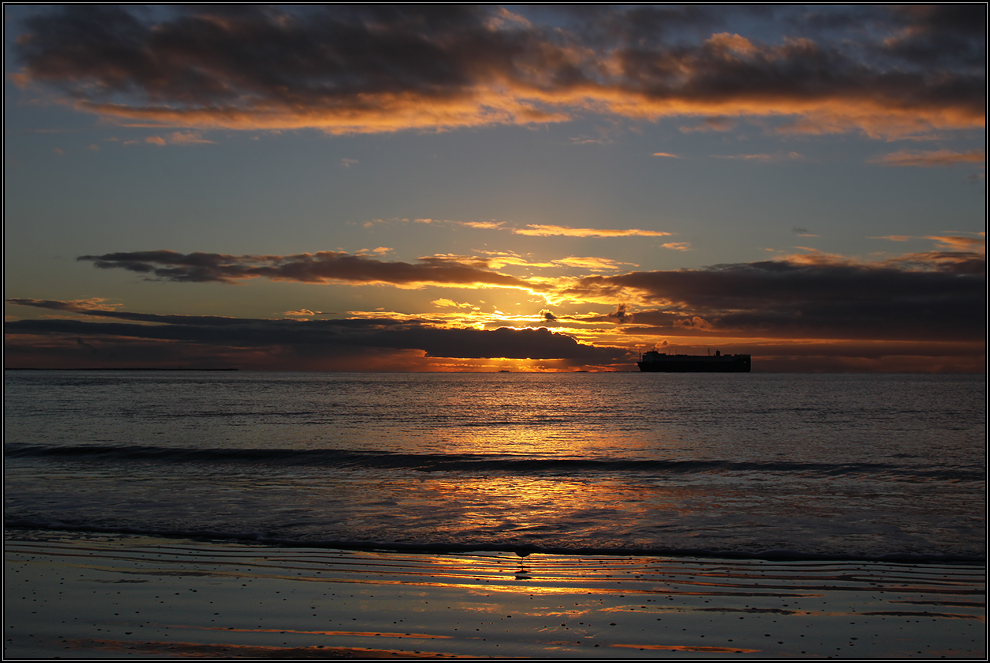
[123, 368]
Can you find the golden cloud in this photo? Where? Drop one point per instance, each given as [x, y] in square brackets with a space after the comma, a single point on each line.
[593, 263]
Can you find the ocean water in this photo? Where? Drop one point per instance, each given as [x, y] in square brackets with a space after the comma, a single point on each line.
[860, 467]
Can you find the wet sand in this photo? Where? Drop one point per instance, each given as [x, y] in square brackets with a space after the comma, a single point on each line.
[98, 596]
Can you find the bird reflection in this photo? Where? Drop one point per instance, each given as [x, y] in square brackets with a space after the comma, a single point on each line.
[522, 573]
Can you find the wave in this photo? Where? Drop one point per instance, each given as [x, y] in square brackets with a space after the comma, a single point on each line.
[521, 550]
[427, 462]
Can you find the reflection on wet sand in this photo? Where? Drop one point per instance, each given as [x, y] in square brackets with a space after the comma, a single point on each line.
[144, 596]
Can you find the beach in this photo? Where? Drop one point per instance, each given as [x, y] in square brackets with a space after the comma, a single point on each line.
[94, 595]
[536, 516]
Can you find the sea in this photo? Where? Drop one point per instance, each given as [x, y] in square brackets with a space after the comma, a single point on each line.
[888, 467]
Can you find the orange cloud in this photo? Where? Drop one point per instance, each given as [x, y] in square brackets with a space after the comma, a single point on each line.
[931, 158]
[187, 138]
[550, 230]
[381, 113]
[957, 243]
[370, 69]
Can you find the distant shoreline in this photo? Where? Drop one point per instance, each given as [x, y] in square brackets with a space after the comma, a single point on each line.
[134, 368]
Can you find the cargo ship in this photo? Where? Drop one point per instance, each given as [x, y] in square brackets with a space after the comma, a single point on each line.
[657, 362]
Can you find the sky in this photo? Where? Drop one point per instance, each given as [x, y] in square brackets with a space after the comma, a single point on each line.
[483, 188]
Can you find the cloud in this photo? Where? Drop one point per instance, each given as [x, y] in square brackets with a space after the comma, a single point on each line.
[380, 68]
[187, 138]
[72, 305]
[677, 246]
[380, 250]
[930, 158]
[927, 296]
[306, 313]
[922, 295]
[581, 140]
[789, 156]
[315, 338]
[620, 315]
[176, 138]
[592, 263]
[961, 244]
[949, 34]
[712, 124]
[666, 154]
[548, 231]
[536, 230]
[482, 225]
[934, 298]
[447, 303]
[319, 267]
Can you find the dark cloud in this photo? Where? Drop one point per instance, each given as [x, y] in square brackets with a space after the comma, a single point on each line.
[370, 68]
[620, 315]
[320, 267]
[944, 34]
[504, 342]
[604, 26]
[219, 55]
[782, 299]
[931, 295]
[315, 337]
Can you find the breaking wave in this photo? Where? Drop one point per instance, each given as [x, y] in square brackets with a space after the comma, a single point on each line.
[514, 464]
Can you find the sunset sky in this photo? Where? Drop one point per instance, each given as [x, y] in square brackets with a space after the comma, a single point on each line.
[495, 187]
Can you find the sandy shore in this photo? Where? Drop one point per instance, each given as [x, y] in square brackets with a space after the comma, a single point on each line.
[100, 596]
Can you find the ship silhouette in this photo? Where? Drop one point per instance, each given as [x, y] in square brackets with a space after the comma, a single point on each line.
[661, 362]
